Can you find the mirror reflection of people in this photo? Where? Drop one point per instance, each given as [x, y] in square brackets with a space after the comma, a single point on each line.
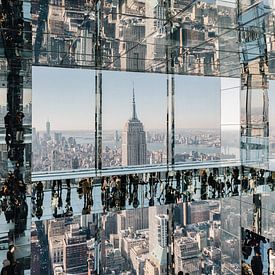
[6, 269]
[11, 258]
[256, 264]
[39, 200]
[10, 254]
[69, 209]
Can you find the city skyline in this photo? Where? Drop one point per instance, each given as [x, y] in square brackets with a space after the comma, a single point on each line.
[226, 119]
[49, 86]
[173, 172]
[129, 241]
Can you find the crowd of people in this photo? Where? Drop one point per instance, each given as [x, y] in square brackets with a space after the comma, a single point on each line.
[13, 201]
[255, 250]
[120, 192]
[13, 189]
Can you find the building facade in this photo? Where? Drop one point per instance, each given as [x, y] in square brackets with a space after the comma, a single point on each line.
[134, 140]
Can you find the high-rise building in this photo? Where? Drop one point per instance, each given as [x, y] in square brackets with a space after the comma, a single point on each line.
[226, 39]
[57, 137]
[56, 230]
[153, 225]
[75, 250]
[162, 229]
[158, 230]
[187, 256]
[133, 140]
[48, 129]
[198, 211]
[135, 219]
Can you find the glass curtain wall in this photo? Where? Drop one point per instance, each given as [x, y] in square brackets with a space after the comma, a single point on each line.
[173, 39]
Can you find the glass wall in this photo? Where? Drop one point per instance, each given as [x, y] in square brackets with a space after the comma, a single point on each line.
[167, 238]
[63, 120]
[197, 119]
[272, 125]
[134, 119]
[197, 36]
[118, 142]
[15, 134]
[230, 119]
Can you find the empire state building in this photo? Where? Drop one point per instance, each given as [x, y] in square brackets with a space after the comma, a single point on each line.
[133, 140]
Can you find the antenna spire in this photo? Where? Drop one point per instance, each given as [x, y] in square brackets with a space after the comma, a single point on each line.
[134, 115]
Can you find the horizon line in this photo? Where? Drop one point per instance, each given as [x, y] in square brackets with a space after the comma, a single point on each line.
[82, 130]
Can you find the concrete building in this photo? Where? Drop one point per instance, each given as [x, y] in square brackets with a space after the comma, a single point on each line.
[187, 256]
[158, 230]
[138, 256]
[198, 211]
[135, 218]
[75, 250]
[56, 231]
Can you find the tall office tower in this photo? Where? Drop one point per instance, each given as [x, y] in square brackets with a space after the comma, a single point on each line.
[157, 261]
[198, 211]
[162, 229]
[153, 224]
[187, 256]
[75, 250]
[56, 230]
[133, 140]
[48, 129]
[155, 42]
[136, 219]
[132, 30]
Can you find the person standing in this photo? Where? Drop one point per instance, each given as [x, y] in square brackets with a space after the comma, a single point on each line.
[10, 255]
[6, 269]
[256, 264]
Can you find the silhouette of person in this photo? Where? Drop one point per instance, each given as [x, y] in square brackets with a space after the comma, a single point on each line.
[6, 269]
[256, 264]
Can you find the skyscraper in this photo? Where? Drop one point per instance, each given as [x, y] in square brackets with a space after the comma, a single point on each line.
[133, 140]
[198, 211]
[136, 219]
[56, 231]
[154, 213]
[75, 250]
[48, 129]
[157, 261]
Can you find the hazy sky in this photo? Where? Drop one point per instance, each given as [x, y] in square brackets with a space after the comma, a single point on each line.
[230, 103]
[197, 102]
[66, 98]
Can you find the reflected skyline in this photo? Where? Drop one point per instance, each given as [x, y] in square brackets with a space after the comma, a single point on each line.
[68, 109]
